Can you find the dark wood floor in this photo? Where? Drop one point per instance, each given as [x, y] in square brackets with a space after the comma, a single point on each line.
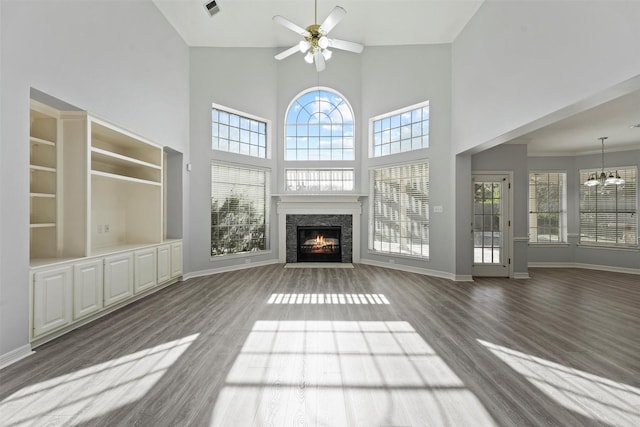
[339, 347]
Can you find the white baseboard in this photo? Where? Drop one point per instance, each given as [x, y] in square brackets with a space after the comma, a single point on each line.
[229, 268]
[409, 269]
[584, 266]
[463, 278]
[521, 276]
[14, 355]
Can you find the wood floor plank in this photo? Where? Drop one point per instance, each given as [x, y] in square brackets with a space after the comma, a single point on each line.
[346, 347]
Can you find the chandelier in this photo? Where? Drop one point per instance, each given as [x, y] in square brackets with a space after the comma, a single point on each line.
[602, 178]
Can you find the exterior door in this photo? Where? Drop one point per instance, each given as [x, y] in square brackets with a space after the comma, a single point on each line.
[491, 224]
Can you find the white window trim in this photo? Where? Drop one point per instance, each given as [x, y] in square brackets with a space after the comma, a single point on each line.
[284, 124]
[565, 208]
[393, 113]
[267, 123]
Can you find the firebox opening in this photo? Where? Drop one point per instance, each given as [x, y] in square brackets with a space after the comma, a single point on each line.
[319, 244]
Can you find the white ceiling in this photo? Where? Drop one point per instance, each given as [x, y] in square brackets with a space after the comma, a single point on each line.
[249, 23]
[579, 133]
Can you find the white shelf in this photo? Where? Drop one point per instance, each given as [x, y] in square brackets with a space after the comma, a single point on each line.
[43, 225]
[42, 168]
[43, 195]
[40, 141]
[119, 159]
[125, 178]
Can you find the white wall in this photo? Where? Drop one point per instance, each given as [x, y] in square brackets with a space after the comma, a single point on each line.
[119, 60]
[517, 62]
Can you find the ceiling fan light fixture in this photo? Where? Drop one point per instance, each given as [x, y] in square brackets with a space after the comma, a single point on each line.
[327, 54]
[323, 42]
[304, 46]
[309, 57]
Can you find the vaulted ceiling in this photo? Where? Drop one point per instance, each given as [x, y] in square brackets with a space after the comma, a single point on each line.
[249, 23]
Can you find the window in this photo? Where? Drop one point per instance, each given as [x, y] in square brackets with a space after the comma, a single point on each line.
[608, 213]
[400, 131]
[239, 209]
[238, 133]
[400, 210]
[547, 207]
[319, 180]
[319, 126]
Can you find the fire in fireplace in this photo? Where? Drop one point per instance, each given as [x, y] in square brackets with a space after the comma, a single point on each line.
[319, 244]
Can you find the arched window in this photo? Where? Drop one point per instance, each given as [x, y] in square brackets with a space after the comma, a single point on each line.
[319, 126]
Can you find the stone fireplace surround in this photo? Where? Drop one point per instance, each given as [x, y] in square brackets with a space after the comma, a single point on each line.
[342, 221]
[342, 210]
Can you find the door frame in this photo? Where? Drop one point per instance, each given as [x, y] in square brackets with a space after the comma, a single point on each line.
[509, 212]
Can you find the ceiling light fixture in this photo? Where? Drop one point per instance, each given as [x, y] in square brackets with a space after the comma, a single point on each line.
[316, 44]
[602, 178]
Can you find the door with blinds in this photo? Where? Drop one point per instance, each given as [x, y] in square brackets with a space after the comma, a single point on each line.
[490, 226]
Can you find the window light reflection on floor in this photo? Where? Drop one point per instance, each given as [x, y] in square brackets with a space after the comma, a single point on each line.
[590, 395]
[81, 396]
[343, 373]
[328, 299]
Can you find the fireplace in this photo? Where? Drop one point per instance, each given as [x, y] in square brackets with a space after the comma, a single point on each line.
[319, 244]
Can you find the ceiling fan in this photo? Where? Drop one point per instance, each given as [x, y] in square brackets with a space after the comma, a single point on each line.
[316, 44]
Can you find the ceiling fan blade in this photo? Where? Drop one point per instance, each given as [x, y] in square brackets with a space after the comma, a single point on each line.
[290, 25]
[319, 60]
[332, 20]
[345, 45]
[288, 52]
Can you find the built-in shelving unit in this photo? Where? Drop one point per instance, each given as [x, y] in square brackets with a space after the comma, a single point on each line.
[97, 219]
[43, 191]
[126, 189]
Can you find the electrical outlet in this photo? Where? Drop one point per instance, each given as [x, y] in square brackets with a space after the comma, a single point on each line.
[107, 228]
[392, 261]
[247, 261]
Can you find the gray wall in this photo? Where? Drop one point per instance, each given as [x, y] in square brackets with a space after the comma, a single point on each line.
[119, 60]
[511, 158]
[380, 80]
[573, 252]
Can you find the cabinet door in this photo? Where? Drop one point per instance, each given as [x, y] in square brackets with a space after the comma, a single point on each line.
[52, 300]
[176, 259]
[118, 278]
[164, 263]
[145, 269]
[87, 288]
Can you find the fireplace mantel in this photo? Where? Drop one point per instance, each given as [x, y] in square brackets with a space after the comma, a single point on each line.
[313, 204]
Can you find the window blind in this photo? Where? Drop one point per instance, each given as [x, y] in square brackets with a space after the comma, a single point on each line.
[547, 207]
[608, 213]
[400, 210]
[239, 209]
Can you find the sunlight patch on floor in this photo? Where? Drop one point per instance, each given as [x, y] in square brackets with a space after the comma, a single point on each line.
[590, 395]
[357, 299]
[343, 373]
[87, 393]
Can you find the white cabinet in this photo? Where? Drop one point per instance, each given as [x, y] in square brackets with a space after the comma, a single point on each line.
[87, 288]
[176, 259]
[164, 263]
[52, 302]
[118, 278]
[145, 269]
